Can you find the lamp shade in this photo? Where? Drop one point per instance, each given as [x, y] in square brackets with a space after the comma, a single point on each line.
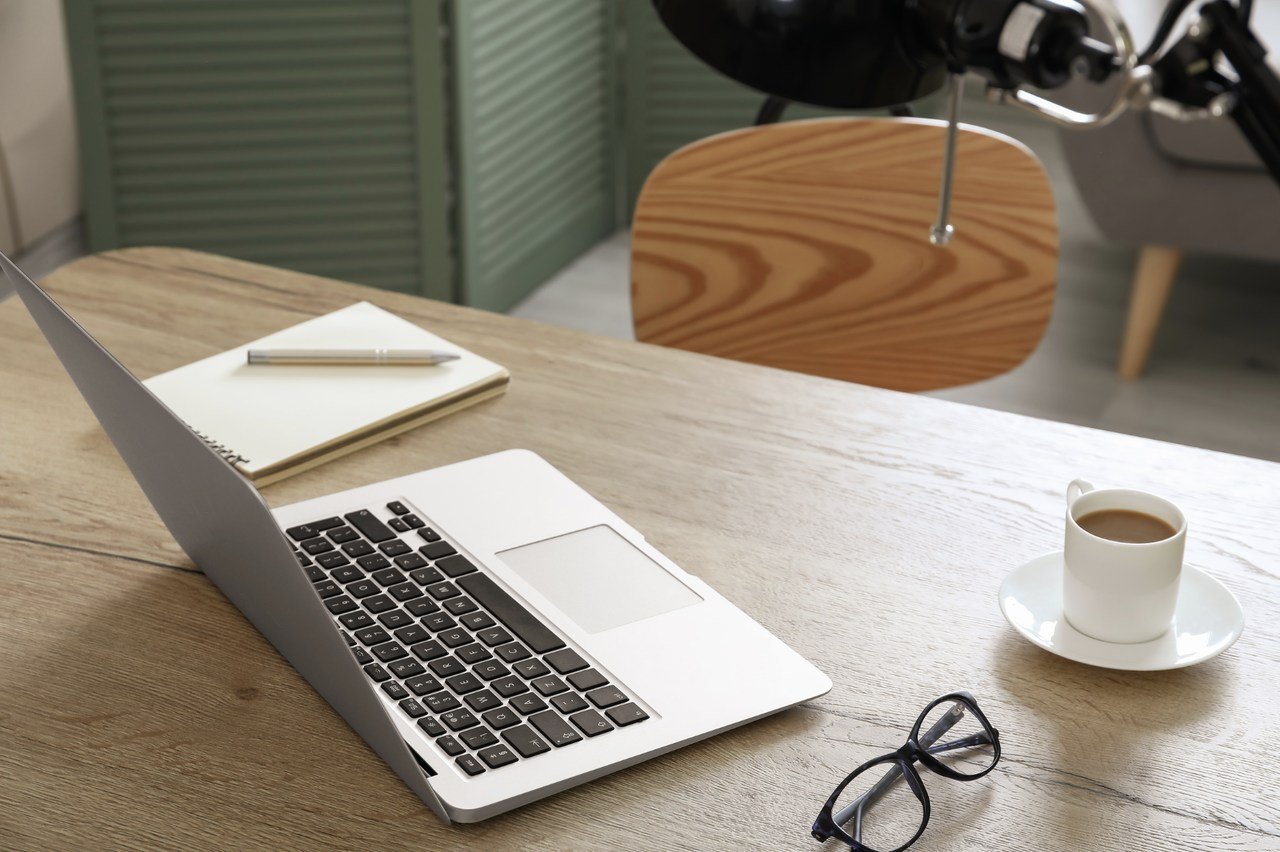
[844, 54]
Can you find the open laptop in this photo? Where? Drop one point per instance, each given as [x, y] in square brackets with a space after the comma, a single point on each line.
[491, 630]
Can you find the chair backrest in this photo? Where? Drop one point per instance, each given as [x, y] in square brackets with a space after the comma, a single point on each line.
[805, 246]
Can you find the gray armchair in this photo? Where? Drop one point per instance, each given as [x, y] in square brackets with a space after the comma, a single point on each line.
[1172, 188]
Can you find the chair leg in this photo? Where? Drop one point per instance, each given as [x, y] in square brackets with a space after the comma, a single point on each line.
[1157, 267]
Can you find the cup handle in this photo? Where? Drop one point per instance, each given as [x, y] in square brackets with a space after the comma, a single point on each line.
[1076, 488]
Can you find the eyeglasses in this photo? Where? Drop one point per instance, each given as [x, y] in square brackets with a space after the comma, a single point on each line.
[957, 742]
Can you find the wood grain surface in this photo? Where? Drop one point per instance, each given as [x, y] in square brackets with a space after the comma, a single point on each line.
[868, 529]
[805, 246]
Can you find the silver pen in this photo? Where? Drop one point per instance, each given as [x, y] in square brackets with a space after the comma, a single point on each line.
[352, 357]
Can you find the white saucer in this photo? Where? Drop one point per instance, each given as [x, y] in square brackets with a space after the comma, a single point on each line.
[1208, 620]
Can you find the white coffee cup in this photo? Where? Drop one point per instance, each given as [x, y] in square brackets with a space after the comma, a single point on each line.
[1120, 591]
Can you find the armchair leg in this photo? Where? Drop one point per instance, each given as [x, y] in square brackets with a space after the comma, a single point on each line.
[1157, 267]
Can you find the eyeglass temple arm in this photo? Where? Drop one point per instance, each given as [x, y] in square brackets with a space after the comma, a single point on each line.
[869, 798]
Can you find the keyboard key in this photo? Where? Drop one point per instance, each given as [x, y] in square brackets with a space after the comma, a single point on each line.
[302, 532]
[512, 652]
[490, 669]
[388, 652]
[426, 576]
[372, 528]
[446, 666]
[469, 764]
[361, 655]
[421, 606]
[450, 746]
[327, 589]
[410, 561]
[374, 635]
[414, 522]
[460, 606]
[405, 592]
[412, 707]
[566, 660]
[509, 686]
[549, 685]
[423, 684]
[376, 672]
[395, 690]
[303, 559]
[463, 683]
[476, 620]
[478, 737]
[627, 714]
[437, 550]
[356, 620]
[482, 700]
[530, 668]
[406, 667]
[525, 741]
[379, 603]
[347, 573]
[331, 560]
[388, 577]
[440, 702]
[494, 636]
[394, 618]
[395, 548]
[606, 696]
[316, 546]
[589, 679]
[326, 524]
[503, 607]
[347, 637]
[496, 756]
[429, 534]
[398, 525]
[314, 573]
[428, 650]
[373, 562]
[590, 723]
[570, 702]
[439, 621]
[431, 726]
[342, 535]
[362, 588]
[454, 637]
[473, 653]
[340, 604]
[441, 591]
[502, 717]
[397, 508]
[554, 729]
[456, 566]
[528, 703]
[457, 720]
[412, 634]
[357, 548]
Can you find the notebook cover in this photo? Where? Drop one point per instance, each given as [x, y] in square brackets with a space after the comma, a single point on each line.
[271, 421]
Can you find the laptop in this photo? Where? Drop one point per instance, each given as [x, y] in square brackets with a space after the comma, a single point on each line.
[491, 630]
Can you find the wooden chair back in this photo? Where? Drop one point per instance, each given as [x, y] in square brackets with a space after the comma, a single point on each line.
[805, 246]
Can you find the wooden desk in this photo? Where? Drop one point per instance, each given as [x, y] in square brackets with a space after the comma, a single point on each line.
[140, 709]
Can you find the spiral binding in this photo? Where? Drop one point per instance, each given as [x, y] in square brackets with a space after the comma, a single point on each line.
[228, 455]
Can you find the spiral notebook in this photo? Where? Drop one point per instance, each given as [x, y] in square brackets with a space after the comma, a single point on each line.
[272, 421]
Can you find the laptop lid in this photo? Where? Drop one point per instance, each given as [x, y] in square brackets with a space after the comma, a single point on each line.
[224, 526]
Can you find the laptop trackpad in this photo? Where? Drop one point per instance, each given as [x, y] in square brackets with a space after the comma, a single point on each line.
[598, 578]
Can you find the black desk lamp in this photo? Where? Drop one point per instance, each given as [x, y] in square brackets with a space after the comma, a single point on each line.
[860, 54]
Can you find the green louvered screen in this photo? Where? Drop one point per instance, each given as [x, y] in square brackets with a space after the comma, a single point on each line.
[307, 134]
[536, 138]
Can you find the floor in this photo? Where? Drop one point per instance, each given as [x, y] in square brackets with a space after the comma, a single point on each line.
[1213, 379]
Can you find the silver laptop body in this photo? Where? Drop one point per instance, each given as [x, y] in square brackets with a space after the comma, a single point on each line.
[599, 652]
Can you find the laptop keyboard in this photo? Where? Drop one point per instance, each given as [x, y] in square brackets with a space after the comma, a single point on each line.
[483, 676]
